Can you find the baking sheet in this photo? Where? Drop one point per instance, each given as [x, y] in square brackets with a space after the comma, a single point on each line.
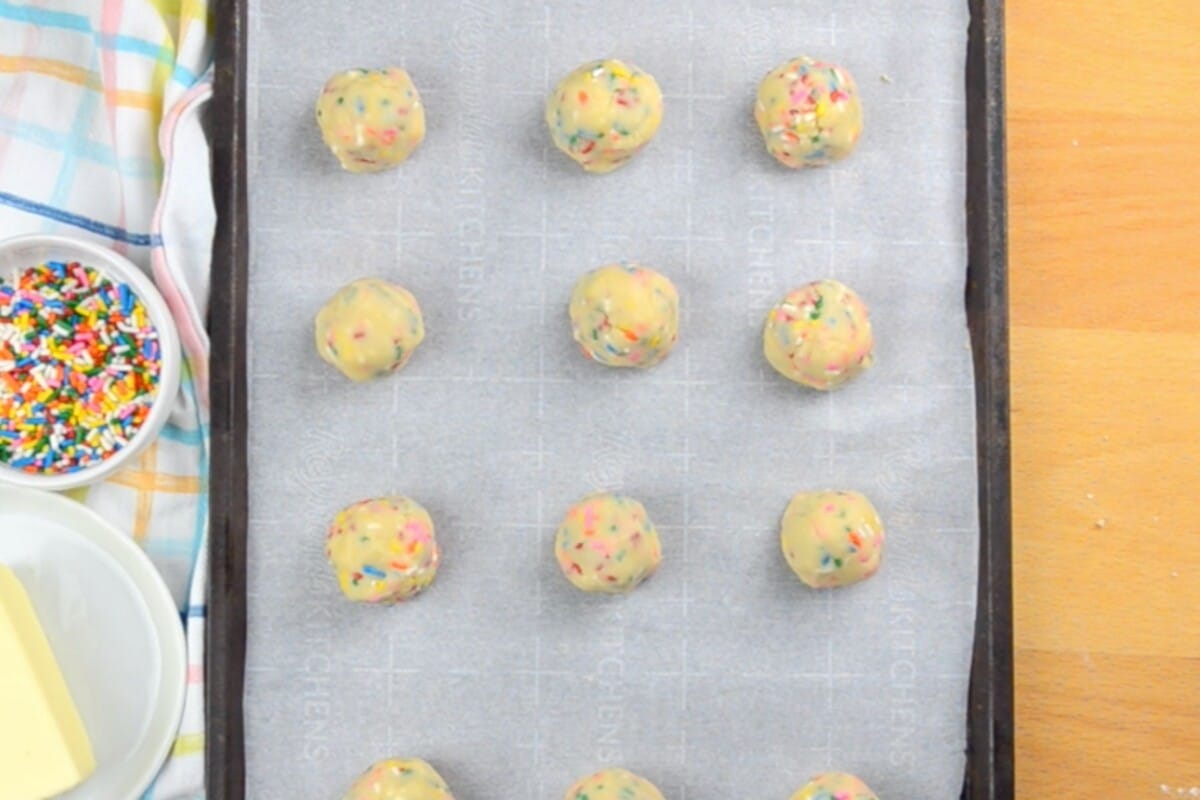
[723, 676]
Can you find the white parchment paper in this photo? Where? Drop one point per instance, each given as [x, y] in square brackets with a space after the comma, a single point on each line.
[723, 677]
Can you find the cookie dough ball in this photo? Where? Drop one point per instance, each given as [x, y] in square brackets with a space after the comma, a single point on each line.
[613, 784]
[369, 328]
[835, 786]
[399, 779]
[625, 315]
[382, 550]
[831, 538]
[819, 335]
[372, 119]
[808, 112]
[603, 113]
[607, 543]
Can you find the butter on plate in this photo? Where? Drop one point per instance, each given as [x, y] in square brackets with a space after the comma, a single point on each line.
[44, 749]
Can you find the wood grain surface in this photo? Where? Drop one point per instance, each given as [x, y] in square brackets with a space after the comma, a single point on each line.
[1104, 197]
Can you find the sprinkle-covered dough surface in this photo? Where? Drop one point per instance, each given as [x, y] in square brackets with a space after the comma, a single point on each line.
[369, 328]
[607, 543]
[382, 550]
[819, 335]
[613, 784]
[399, 779]
[831, 538]
[371, 119]
[625, 315]
[808, 112]
[602, 113]
[835, 786]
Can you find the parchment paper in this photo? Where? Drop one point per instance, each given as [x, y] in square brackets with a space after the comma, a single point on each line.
[723, 677]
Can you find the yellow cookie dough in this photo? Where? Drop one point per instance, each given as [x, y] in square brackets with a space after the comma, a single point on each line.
[819, 335]
[607, 543]
[603, 113]
[613, 784]
[383, 550]
[835, 786]
[808, 112]
[369, 328]
[371, 119]
[831, 538]
[399, 779]
[625, 315]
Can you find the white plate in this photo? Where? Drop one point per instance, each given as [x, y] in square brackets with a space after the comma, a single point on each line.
[113, 627]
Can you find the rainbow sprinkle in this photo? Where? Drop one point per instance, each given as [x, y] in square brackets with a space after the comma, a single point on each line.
[79, 368]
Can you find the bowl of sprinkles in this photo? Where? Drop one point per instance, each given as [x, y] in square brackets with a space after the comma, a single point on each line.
[89, 362]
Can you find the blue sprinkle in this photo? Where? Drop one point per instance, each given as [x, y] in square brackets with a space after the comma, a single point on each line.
[373, 572]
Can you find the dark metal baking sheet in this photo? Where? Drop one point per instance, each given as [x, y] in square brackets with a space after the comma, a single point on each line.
[990, 763]
[990, 769]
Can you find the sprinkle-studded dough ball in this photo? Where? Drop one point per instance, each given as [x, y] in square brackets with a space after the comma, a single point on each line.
[835, 786]
[369, 328]
[819, 335]
[603, 113]
[625, 315]
[399, 779]
[808, 112]
[831, 538]
[606, 543]
[383, 550]
[372, 119]
[613, 784]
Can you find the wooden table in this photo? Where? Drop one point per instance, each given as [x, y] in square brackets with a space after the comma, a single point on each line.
[1104, 195]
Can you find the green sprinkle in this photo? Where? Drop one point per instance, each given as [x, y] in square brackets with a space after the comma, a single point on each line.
[815, 314]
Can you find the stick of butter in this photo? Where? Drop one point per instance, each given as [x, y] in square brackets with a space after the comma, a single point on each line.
[44, 749]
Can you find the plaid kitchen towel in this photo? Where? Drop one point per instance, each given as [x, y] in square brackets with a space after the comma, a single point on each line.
[101, 138]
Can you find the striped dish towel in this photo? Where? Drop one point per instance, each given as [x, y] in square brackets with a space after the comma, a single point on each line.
[101, 138]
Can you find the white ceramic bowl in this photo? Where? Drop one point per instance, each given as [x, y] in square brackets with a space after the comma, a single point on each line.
[27, 251]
